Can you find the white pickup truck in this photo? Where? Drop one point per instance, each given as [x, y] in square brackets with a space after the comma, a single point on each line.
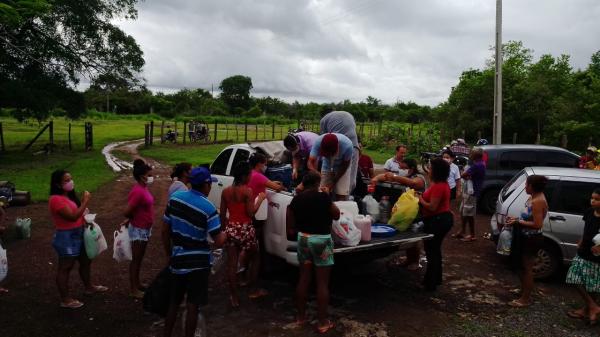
[275, 236]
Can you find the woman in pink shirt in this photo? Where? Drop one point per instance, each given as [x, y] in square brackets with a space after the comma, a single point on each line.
[67, 214]
[140, 215]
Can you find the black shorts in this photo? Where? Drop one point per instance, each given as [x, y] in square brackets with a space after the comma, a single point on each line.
[453, 193]
[194, 284]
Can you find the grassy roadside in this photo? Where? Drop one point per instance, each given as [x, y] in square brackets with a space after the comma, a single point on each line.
[173, 154]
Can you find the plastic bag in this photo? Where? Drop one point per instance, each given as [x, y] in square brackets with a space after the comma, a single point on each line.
[345, 232]
[468, 186]
[93, 239]
[261, 213]
[23, 226]
[371, 207]
[405, 211]
[218, 260]
[3, 264]
[504, 241]
[122, 245]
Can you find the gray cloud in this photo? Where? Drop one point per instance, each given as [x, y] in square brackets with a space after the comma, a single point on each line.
[329, 50]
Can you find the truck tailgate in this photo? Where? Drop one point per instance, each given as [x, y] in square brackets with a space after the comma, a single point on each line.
[401, 239]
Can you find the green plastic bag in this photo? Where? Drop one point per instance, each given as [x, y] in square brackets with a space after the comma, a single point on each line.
[90, 236]
[23, 226]
[405, 211]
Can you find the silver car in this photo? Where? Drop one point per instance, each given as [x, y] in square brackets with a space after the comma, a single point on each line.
[568, 194]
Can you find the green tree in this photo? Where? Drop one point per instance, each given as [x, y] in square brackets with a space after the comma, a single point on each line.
[235, 91]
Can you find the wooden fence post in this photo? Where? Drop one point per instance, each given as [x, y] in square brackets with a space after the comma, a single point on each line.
[226, 130]
[91, 135]
[281, 132]
[176, 134]
[51, 136]
[246, 132]
[152, 132]
[564, 141]
[215, 140]
[162, 132]
[146, 133]
[2, 148]
[70, 144]
[236, 133]
[538, 139]
[185, 132]
[273, 130]
[264, 129]
[515, 138]
[478, 135]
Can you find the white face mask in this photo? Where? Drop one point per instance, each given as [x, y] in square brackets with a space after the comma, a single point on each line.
[264, 169]
[403, 173]
[149, 180]
[448, 160]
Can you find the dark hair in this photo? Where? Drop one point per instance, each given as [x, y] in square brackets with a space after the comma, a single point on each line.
[240, 172]
[596, 191]
[290, 141]
[56, 186]
[411, 163]
[477, 153]
[440, 170]
[449, 152]
[140, 168]
[180, 169]
[311, 179]
[257, 158]
[401, 146]
[537, 182]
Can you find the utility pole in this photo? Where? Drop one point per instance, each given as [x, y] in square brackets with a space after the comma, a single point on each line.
[497, 134]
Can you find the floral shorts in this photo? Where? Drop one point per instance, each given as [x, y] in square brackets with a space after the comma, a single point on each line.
[241, 236]
[316, 249]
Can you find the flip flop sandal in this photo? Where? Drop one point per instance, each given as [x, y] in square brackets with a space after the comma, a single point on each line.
[300, 323]
[457, 235]
[137, 295]
[234, 305]
[3, 290]
[258, 294]
[517, 304]
[468, 239]
[575, 314]
[74, 304]
[325, 328]
[96, 289]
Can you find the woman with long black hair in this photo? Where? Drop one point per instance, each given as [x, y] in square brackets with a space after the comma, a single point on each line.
[67, 213]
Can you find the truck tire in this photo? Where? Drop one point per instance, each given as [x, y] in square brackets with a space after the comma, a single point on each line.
[488, 200]
[548, 261]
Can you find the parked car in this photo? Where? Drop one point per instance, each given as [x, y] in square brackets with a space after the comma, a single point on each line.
[504, 161]
[275, 238]
[568, 194]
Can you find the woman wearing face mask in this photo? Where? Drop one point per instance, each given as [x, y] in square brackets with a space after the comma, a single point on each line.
[180, 176]
[140, 216]
[409, 176]
[67, 214]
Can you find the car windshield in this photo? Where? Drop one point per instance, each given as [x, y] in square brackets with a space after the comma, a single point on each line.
[512, 185]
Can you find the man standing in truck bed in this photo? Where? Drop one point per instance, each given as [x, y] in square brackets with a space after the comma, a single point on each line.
[343, 122]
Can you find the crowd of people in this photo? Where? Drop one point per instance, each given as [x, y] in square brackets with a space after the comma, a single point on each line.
[326, 168]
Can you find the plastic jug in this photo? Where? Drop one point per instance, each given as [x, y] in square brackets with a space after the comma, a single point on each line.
[261, 213]
[371, 207]
[364, 224]
[384, 209]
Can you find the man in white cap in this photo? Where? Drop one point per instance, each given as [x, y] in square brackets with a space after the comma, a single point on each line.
[588, 161]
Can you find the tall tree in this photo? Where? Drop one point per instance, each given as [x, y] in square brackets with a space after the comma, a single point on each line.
[235, 92]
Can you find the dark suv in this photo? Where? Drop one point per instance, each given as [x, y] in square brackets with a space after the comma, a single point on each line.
[504, 161]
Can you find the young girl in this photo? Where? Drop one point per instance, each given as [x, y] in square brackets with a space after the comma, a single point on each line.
[241, 235]
[67, 214]
[585, 268]
[140, 216]
[180, 177]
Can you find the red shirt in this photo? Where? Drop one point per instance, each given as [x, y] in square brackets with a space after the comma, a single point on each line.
[142, 203]
[58, 202]
[441, 191]
[365, 163]
[257, 183]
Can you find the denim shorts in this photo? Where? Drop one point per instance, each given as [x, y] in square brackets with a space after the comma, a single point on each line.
[68, 242]
[139, 234]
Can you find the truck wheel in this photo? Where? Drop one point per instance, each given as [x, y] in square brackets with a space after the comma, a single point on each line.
[488, 200]
[547, 261]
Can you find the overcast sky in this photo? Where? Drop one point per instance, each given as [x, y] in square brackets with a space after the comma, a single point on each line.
[330, 50]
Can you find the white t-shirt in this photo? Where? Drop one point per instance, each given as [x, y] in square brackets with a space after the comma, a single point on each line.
[392, 165]
[453, 176]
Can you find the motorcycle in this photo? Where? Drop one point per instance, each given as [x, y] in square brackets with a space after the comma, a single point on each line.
[170, 136]
[460, 160]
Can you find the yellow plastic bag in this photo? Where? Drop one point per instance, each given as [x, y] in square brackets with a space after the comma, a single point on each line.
[405, 210]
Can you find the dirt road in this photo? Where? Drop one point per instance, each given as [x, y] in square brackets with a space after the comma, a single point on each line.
[367, 300]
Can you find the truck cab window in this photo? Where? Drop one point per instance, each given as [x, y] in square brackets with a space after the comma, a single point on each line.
[219, 166]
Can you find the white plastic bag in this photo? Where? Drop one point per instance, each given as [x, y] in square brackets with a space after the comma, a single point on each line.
[345, 232]
[468, 186]
[122, 245]
[23, 226]
[3, 264]
[93, 238]
[596, 241]
[371, 207]
[261, 213]
[504, 241]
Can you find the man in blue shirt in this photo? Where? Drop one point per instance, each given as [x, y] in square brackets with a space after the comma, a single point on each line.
[336, 152]
[189, 218]
[343, 122]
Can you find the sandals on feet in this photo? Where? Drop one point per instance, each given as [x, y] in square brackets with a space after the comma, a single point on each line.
[577, 314]
[457, 235]
[518, 304]
[323, 329]
[235, 303]
[96, 289]
[258, 294]
[3, 290]
[468, 238]
[137, 294]
[72, 304]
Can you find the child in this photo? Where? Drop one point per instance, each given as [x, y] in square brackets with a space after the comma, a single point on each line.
[241, 235]
[310, 214]
[468, 208]
[585, 268]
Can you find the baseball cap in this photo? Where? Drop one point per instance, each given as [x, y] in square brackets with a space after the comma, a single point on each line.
[592, 149]
[201, 175]
[329, 145]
